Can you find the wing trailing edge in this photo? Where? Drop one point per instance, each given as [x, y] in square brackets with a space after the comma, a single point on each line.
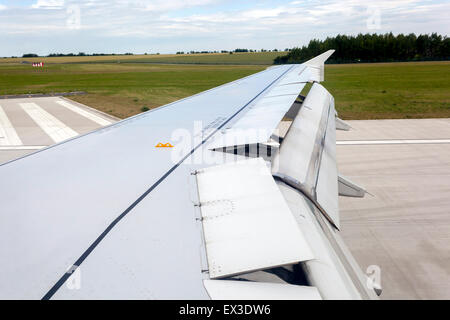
[307, 156]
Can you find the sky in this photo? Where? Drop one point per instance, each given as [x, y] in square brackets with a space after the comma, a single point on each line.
[168, 26]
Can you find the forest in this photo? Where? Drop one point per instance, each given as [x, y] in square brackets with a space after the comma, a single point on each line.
[373, 48]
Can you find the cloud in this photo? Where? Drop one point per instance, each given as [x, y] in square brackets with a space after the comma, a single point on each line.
[173, 25]
[48, 4]
[171, 5]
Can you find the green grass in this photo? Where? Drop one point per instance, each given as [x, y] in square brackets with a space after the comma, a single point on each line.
[390, 90]
[243, 58]
[363, 91]
[254, 58]
[119, 89]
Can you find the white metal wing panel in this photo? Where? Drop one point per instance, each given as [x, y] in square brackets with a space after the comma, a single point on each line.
[46, 227]
[298, 146]
[258, 117]
[247, 290]
[325, 271]
[257, 126]
[260, 124]
[327, 182]
[317, 67]
[247, 224]
[286, 89]
[263, 116]
[307, 156]
[299, 73]
[131, 223]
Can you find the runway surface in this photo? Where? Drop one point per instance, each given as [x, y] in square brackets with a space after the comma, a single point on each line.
[404, 228]
[30, 124]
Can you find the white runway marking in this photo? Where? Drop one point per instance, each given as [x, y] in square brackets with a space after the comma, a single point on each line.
[6, 148]
[8, 135]
[405, 141]
[84, 113]
[57, 130]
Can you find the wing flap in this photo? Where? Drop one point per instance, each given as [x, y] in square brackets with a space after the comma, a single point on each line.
[307, 154]
[298, 147]
[246, 222]
[327, 181]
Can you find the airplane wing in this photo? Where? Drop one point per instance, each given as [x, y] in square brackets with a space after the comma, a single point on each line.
[192, 200]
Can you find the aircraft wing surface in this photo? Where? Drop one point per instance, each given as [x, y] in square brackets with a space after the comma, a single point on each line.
[146, 209]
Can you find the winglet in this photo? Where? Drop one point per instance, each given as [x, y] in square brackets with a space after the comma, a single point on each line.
[316, 66]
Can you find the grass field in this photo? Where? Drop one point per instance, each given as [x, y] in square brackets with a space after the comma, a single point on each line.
[250, 58]
[390, 90]
[119, 89]
[363, 91]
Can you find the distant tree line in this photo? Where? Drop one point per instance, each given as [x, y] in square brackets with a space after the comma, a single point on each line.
[82, 54]
[30, 55]
[373, 48]
[228, 51]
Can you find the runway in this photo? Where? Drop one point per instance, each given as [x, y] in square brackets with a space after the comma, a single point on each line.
[404, 228]
[30, 124]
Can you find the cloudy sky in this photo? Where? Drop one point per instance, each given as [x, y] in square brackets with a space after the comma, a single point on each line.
[167, 26]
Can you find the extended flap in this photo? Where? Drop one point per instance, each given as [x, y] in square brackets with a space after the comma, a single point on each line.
[247, 224]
